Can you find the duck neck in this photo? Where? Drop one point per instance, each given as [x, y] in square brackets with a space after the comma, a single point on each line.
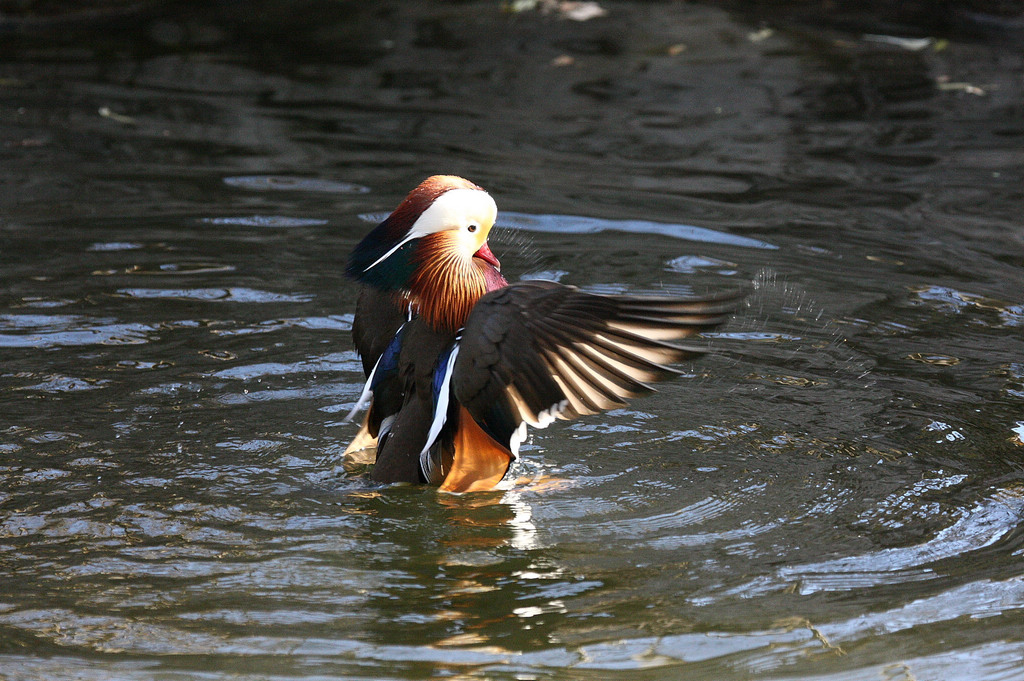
[445, 286]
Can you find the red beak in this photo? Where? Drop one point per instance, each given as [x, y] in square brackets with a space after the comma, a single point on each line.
[485, 254]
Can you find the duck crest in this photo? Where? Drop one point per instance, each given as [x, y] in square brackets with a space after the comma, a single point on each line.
[418, 200]
[372, 261]
[424, 252]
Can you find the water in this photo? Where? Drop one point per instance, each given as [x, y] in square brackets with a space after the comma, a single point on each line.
[836, 493]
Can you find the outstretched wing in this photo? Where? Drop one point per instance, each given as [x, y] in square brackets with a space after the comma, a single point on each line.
[538, 350]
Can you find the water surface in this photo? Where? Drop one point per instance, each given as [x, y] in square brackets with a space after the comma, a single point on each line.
[836, 492]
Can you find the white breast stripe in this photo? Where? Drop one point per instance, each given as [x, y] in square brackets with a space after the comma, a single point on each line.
[440, 411]
[364, 397]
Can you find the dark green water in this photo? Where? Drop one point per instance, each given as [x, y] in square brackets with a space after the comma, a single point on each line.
[836, 493]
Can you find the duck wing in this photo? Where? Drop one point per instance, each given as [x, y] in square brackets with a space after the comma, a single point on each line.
[535, 351]
[377, 319]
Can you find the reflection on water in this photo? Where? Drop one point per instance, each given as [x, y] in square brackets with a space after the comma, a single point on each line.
[834, 493]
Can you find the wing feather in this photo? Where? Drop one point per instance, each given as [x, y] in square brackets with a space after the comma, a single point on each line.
[536, 351]
[585, 391]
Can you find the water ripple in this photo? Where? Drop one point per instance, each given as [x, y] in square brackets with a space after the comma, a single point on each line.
[264, 221]
[293, 183]
[50, 331]
[578, 224]
[346, 361]
[65, 384]
[331, 323]
[234, 294]
[976, 528]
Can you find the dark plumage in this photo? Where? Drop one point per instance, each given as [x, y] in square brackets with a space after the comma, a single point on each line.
[459, 362]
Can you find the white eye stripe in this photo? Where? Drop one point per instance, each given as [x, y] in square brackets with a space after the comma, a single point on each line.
[454, 209]
[407, 239]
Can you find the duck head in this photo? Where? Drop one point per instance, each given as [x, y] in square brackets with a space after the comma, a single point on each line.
[433, 249]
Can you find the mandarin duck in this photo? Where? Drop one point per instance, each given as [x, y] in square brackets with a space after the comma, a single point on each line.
[459, 362]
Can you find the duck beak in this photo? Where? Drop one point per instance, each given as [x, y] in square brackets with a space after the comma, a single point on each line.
[485, 254]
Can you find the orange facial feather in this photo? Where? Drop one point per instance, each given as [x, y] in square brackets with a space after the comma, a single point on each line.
[445, 285]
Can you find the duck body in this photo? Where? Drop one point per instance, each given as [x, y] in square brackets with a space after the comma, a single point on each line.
[459, 362]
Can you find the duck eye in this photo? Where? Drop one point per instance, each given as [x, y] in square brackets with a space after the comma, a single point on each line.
[472, 228]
